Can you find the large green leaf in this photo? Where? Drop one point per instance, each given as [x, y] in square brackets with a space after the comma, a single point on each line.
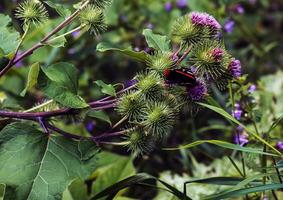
[77, 190]
[32, 78]
[139, 56]
[9, 38]
[223, 144]
[122, 168]
[99, 114]
[156, 41]
[60, 82]
[231, 118]
[35, 166]
[2, 191]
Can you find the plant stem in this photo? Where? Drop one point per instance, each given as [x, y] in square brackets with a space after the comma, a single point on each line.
[186, 53]
[44, 41]
[65, 34]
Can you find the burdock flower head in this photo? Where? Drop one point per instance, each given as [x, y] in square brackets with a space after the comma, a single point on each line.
[31, 12]
[198, 91]
[194, 27]
[235, 68]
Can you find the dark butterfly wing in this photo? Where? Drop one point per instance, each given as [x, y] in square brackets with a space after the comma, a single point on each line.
[180, 77]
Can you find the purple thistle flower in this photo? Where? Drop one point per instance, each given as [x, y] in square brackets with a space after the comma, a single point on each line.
[181, 4]
[279, 145]
[237, 112]
[240, 137]
[212, 23]
[204, 19]
[197, 91]
[229, 26]
[252, 88]
[217, 54]
[168, 6]
[235, 68]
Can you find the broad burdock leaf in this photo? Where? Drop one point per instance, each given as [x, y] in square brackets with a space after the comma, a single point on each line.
[139, 56]
[9, 38]
[101, 115]
[106, 88]
[32, 78]
[35, 166]
[60, 82]
[158, 42]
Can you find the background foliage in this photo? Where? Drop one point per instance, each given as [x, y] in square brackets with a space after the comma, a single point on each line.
[256, 40]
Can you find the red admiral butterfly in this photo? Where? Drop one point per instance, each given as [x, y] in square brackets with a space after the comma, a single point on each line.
[182, 76]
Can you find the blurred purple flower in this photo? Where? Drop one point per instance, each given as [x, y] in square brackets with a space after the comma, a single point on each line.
[90, 126]
[197, 91]
[235, 68]
[20, 63]
[252, 2]
[181, 4]
[149, 26]
[71, 51]
[168, 6]
[130, 83]
[279, 145]
[239, 9]
[237, 112]
[137, 49]
[252, 88]
[76, 34]
[241, 137]
[229, 26]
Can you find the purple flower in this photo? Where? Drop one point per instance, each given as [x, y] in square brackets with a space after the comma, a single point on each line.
[71, 51]
[279, 145]
[204, 19]
[235, 68]
[229, 26]
[239, 9]
[197, 91]
[252, 2]
[237, 112]
[76, 34]
[130, 83]
[181, 4]
[252, 88]
[90, 126]
[168, 6]
[241, 137]
[217, 54]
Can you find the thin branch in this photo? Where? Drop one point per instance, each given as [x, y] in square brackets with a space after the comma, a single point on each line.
[186, 53]
[42, 42]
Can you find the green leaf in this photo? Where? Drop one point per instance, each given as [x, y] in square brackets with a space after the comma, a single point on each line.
[37, 166]
[245, 191]
[58, 42]
[156, 41]
[136, 179]
[2, 191]
[106, 88]
[122, 168]
[99, 115]
[9, 37]
[139, 56]
[223, 144]
[32, 78]
[60, 9]
[275, 124]
[77, 190]
[231, 118]
[60, 82]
